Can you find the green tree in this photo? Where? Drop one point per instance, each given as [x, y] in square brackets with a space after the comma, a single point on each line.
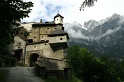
[11, 12]
[109, 73]
[79, 59]
[120, 69]
[73, 58]
[89, 68]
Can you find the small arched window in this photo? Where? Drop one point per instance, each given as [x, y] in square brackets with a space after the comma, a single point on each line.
[61, 38]
[48, 29]
[19, 42]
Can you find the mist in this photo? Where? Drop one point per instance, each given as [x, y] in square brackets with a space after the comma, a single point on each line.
[76, 30]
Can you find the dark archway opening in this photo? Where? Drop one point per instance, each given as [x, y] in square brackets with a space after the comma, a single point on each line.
[18, 54]
[33, 59]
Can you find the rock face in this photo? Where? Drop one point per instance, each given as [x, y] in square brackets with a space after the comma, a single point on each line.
[100, 37]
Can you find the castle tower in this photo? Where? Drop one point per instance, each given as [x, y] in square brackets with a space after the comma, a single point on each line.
[58, 19]
[58, 38]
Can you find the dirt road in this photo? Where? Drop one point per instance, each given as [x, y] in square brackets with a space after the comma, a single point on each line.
[23, 74]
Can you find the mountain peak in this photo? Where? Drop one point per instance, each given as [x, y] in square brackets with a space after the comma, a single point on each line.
[91, 24]
[102, 37]
[116, 15]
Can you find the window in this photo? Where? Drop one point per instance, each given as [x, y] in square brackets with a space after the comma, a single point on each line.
[42, 37]
[61, 38]
[35, 30]
[34, 37]
[19, 42]
[48, 29]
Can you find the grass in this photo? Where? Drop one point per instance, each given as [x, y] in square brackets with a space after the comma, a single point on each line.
[2, 75]
[57, 80]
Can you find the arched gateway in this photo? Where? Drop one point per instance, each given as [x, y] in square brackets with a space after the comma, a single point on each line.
[33, 59]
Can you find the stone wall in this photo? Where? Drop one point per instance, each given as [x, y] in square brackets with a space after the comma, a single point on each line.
[44, 50]
[40, 32]
[58, 52]
[58, 39]
[52, 64]
[27, 26]
[19, 44]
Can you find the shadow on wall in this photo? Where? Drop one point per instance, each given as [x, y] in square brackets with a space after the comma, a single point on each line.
[49, 68]
[33, 59]
[51, 64]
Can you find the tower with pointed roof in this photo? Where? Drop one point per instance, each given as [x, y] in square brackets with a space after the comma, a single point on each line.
[58, 19]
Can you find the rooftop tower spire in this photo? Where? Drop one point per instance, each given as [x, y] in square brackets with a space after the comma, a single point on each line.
[58, 19]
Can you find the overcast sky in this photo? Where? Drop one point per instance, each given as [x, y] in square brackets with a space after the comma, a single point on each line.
[47, 9]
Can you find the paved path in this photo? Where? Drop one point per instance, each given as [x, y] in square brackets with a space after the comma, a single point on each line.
[23, 74]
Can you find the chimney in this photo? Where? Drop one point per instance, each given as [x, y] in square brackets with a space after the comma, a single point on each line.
[40, 20]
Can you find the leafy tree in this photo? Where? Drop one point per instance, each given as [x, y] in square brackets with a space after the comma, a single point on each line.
[73, 58]
[89, 68]
[79, 59]
[120, 69]
[26, 33]
[22, 33]
[111, 75]
[86, 3]
[11, 12]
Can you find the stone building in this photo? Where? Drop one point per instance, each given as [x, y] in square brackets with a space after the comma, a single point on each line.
[28, 27]
[18, 49]
[45, 40]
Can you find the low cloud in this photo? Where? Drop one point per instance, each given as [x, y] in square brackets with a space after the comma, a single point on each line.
[75, 31]
[108, 32]
[121, 22]
[77, 35]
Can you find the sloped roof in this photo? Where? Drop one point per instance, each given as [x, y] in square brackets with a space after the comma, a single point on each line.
[57, 32]
[58, 15]
[45, 24]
